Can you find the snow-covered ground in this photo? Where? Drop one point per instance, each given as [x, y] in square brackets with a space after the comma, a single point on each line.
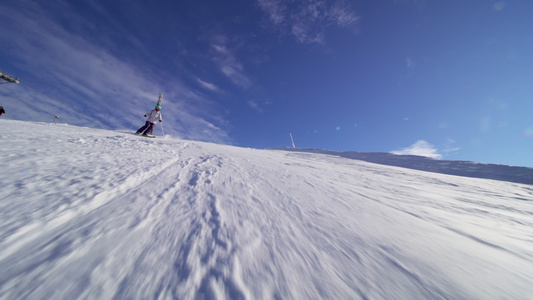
[95, 214]
[451, 167]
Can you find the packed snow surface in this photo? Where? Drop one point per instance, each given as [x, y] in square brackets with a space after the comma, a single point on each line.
[95, 214]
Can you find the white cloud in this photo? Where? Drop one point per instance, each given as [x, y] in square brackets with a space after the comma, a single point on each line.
[450, 147]
[420, 148]
[343, 16]
[302, 33]
[208, 85]
[255, 105]
[307, 20]
[276, 10]
[229, 64]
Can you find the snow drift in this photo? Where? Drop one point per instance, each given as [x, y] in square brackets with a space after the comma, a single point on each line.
[96, 214]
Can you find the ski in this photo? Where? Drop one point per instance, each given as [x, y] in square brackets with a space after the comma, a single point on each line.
[149, 136]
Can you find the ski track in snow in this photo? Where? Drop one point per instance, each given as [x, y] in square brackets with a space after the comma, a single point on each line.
[94, 214]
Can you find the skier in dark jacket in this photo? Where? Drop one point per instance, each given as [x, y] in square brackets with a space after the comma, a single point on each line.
[153, 116]
[2, 111]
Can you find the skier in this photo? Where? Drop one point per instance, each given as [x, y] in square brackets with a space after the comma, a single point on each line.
[153, 116]
[2, 111]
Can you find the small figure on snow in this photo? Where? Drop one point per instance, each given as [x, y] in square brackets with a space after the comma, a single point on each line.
[2, 111]
[153, 116]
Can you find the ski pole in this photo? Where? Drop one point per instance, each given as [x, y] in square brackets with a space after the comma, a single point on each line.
[160, 123]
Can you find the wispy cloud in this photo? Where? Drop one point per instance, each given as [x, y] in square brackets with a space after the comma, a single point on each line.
[420, 148]
[208, 85]
[259, 105]
[307, 20]
[228, 63]
[276, 9]
[88, 83]
[303, 34]
[342, 15]
[450, 146]
[409, 63]
[255, 105]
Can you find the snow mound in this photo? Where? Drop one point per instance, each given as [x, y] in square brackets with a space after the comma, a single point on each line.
[96, 214]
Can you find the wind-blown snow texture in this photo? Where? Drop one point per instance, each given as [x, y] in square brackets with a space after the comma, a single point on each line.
[95, 214]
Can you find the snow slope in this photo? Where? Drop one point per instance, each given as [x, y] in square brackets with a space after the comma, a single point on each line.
[451, 167]
[95, 214]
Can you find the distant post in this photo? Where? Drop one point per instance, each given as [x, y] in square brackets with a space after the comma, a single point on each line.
[292, 140]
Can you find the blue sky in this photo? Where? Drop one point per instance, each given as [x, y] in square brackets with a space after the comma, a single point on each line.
[447, 79]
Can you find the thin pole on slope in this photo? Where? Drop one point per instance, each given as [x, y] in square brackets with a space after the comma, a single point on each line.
[292, 140]
[160, 123]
